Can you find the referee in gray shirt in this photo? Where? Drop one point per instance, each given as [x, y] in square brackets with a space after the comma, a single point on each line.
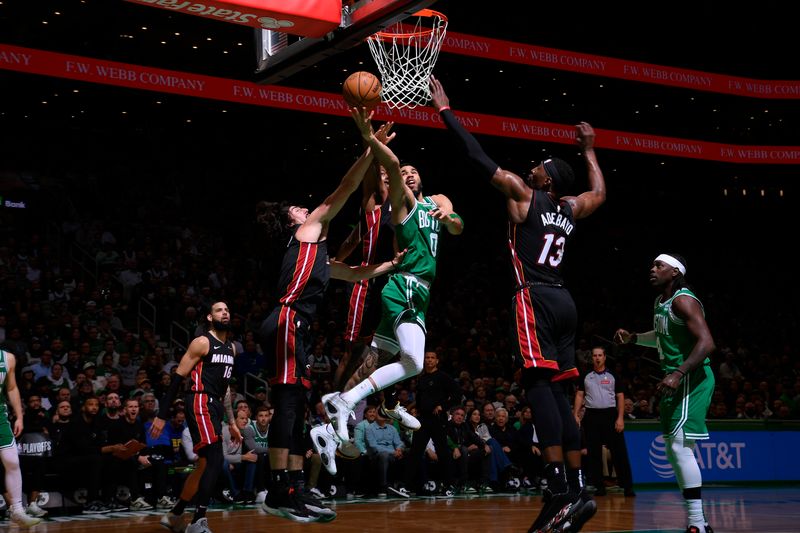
[603, 423]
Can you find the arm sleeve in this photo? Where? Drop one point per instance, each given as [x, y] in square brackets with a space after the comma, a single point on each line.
[647, 338]
[188, 445]
[473, 150]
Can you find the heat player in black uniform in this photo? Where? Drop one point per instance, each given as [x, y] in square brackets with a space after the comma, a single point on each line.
[208, 365]
[305, 271]
[375, 235]
[541, 223]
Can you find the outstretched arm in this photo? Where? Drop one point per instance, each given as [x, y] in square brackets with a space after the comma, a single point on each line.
[400, 195]
[346, 272]
[586, 203]
[507, 182]
[315, 226]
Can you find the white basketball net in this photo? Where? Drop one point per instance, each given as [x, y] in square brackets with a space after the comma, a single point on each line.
[406, 60]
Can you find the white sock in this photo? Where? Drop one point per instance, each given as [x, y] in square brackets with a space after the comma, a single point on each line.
[412, 353]
[680, 453]
[696, 518]
[13, 477]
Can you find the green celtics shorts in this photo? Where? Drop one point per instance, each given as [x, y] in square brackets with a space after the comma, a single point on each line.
[405, 298]
[686, 409]
[6, 435]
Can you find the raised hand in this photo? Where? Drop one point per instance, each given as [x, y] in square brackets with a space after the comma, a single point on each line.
[363, 120]
[584, 135]
[383, 133]
[438, 97]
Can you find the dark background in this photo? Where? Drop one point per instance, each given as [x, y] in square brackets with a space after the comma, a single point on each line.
[207, 162]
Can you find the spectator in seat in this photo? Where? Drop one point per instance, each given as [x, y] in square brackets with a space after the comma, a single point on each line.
[79, 454]
[121, 468]
[241, 460]
[498, 460]
[384, 447]
[467, 449]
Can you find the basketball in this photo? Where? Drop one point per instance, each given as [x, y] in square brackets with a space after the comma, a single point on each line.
[362, 89]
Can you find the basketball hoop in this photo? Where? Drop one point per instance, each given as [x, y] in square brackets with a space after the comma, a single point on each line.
[406, 59]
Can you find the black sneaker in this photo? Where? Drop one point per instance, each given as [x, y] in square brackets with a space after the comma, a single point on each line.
[556, 509]
[584, 509]
[286, 505]
[95, 507]
[316, 507]
[695, 529]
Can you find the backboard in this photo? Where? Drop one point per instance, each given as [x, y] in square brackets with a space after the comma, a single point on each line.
[280, 55]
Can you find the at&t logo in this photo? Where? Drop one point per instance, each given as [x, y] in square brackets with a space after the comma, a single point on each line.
[709, 455]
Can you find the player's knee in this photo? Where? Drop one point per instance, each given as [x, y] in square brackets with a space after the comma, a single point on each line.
[412, 365]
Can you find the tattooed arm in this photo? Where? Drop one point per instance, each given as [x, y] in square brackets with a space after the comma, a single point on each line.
[236, 435]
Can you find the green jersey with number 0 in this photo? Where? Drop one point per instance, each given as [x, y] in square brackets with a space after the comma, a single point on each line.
[419, 234]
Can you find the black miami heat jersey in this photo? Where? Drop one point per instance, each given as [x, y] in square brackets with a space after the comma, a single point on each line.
[212, 374]
[377, 235]
[305, 273]
[539, 243]
[377, 245]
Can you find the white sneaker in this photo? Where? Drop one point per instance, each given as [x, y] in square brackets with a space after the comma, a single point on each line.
[315, 492]
[400, 414]
[338, 413]
[201, 526]
[166, 502]
[261, 496]
[23, 519]
[173, 522]
[140, 504]
[34, 510]
[324, 440]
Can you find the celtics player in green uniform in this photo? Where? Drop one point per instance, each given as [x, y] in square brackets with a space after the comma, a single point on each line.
[418, 221]
[9, 393]
[684, 344]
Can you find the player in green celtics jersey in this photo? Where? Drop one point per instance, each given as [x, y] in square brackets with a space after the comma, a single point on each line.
[684, 344]
[418, 222]
[9, 393]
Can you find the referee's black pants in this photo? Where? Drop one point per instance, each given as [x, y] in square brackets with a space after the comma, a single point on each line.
[599, 429]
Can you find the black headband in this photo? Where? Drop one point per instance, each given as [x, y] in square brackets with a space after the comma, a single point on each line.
[551, 170]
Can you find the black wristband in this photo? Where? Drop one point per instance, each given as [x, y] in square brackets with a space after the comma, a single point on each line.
[681, 371]
[169, 397]
[634, 338]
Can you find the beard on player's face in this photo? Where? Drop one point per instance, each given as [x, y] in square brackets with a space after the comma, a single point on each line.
[221, 326]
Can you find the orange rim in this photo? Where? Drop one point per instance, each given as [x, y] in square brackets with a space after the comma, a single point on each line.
[422, 33]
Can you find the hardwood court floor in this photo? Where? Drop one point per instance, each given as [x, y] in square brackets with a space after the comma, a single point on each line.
[728, 510]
